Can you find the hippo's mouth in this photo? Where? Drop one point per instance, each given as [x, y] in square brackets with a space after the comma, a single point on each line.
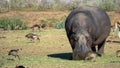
[80, 52]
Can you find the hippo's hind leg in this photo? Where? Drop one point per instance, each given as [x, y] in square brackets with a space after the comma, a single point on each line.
[101, 48]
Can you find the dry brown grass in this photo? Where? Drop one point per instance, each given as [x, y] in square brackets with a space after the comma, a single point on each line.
[35, 17]
[53, 50]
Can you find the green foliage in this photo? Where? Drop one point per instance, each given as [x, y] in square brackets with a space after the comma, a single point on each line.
[107, 5]
[50, 5]
[117, 5]
[55, 23]
[2, 61]
[61, 25]
[12, 24]
[51, 22]
[17, 4]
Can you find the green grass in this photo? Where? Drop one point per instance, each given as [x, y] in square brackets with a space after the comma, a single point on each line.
[61, 25]
[53, 22]
[107, 5]
[53, 51]
[12, 24]
[49, 61]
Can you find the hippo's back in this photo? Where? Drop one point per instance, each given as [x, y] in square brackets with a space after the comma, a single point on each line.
[98, 14]
[101, 22]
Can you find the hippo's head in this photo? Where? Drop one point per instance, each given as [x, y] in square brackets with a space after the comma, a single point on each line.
[81, 44]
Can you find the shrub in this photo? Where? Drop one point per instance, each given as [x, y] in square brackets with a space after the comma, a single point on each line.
[117, 5]
[61, 25]
[12, 24]
[107, 5]
[36, 5]
[51, 22]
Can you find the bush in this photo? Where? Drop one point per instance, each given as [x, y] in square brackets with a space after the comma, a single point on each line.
[51, 22]
[107, 5]
[61, 25]
[12, 24]
[117, 5]
[36, 5]
[55, 4]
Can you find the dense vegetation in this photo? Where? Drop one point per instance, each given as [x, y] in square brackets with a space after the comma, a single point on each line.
[36, 5]
[52, 5]
[12, 24]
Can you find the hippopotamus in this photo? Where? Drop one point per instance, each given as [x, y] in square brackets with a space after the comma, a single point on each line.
[87, 28]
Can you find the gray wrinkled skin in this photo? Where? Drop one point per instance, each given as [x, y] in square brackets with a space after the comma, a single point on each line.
[86, 28]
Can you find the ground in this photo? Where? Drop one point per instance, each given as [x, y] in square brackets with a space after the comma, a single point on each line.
[53, 50]
[36, 17]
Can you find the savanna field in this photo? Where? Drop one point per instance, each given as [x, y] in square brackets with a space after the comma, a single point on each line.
[53, 50]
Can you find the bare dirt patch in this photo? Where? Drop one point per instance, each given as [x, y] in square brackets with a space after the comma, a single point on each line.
[35, 17]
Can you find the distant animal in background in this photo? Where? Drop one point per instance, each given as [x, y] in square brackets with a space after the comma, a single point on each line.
[2, 32]
[18, 27]
[3, 28]
[20, 66]
[36, 28]
[118, 53]
[14, 52]
[32, 37]
[118, 25]
[44, 26]
[116, 28]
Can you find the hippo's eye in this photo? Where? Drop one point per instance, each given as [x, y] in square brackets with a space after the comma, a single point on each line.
[76, 38]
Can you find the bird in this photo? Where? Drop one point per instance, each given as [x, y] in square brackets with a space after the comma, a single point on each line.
[14, 52]
[35, 28]
[32, 36]
[44, 26]
[119, 34]
[118, 25]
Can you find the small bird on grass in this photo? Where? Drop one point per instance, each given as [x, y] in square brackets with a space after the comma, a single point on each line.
[118, 25]
[36, 28]
[44, 26]
[32, 36]
[14, 52]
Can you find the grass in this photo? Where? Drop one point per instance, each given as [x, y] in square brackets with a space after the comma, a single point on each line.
[53, 51]
[61, 25]
[50, 61]
[107, 5]
[53, 22]
[12, 24]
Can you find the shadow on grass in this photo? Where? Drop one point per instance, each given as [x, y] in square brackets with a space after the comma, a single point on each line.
[66, 56]
[113, 41]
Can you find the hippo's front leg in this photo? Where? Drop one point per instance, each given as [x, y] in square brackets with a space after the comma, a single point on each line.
[93, 49]
[101, 48]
